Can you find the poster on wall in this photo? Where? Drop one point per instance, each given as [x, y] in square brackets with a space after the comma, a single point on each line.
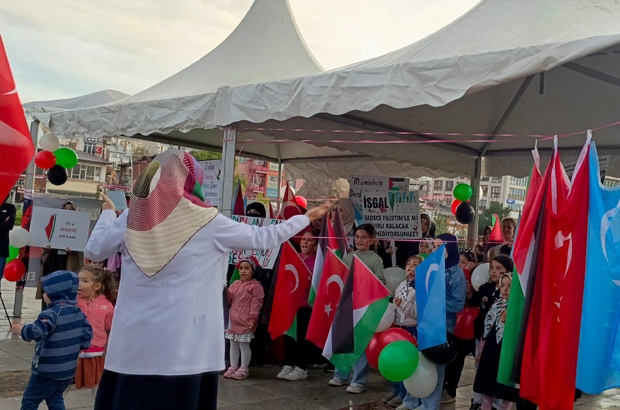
[394, 214]
[359, 184]
[211, 181]
[59, 228]
[266, 257]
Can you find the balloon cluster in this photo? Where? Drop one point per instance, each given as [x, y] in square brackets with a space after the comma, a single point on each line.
[394, 351]
[55, 159]
[15, 269]
[461, 208]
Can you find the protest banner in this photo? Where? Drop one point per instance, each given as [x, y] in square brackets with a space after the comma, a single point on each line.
[59, 228]
[359, 184]
[211, 181]
[394, 214]
[266, 257]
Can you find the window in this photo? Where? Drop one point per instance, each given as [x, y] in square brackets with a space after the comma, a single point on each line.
[495, 180]
[484, 179]
[485, 190]
[90, 147]
[496, 192]
[449, 186]
[273, 166]
[85, 172]
[517, 194]
[438, 185]
[518, 181]
[258, 162]
[242, 160]
[257, 180]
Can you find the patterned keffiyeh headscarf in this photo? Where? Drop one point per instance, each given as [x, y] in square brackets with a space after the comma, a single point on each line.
[166, 210]
[494, 318]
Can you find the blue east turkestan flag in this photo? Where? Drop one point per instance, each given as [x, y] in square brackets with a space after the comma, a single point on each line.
[430, 287]
[598, 366]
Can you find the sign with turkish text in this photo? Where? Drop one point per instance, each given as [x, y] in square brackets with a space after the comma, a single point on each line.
[267, 257]
[359, 184]
[394, 214]
[211, 181]
[59, 228]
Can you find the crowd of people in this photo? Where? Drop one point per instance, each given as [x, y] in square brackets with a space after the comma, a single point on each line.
[93, 293]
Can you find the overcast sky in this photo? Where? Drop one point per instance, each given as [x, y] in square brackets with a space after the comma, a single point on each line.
[66, 48]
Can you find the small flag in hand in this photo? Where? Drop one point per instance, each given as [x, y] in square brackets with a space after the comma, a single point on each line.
[430, 295]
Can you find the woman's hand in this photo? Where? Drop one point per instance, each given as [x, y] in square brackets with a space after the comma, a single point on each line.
[107, 203]
[317, 212]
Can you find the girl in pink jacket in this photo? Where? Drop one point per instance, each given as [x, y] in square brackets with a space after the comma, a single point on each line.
[246, 299]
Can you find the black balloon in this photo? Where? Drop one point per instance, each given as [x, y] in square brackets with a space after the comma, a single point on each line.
[442, 354]
[464, 213]
[57, 175]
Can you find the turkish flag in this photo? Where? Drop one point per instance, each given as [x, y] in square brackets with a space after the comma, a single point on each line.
[289, 205]
[292, 287]
[16, 148]
[549, 366]
[335, 273]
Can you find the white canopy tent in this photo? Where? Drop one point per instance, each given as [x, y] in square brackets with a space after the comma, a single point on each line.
[88, 100]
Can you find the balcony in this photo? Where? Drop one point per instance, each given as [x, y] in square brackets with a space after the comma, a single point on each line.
[261, 169]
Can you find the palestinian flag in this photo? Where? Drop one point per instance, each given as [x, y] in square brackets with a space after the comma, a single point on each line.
[496, 231]
[326, 233]
[292, 283]
[49, 228]
[340, 234]
[363, 302]
[238, 203]
[329, 294]
[525, 253]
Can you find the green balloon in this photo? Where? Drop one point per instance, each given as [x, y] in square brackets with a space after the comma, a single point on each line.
[398, 360]
[463, 192]
[66, 157]
[13, 254]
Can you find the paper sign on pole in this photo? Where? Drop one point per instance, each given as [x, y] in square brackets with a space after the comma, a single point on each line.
[394, 214]
[59, 228]
[211, 181]
[267, 257]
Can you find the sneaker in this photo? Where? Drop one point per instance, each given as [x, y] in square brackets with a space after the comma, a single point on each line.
[336, 382]
[231, 370]
[388, 397]
[240, 374]
[446, 398]
[395, 402]
[475, 406]
[329, 368]
[296, 375]
[403, 407]
[355, 388]
[285, 370]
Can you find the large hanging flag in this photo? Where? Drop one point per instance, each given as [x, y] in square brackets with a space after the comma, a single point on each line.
[319, 261]
[341, 236]
[599, 345]
[552, 336]
[238, 201]
[430, 296]
[16, 148]
[525, 243]
[335, 273]
[363, 302]
[292, 283]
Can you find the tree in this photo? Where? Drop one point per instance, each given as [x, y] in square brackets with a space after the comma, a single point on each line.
[239, 177]
[202, 155]
[486, 217]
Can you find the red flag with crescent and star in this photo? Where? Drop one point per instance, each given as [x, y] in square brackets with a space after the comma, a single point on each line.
[549, 367]
[335, 273]
[293, 283]
[16, 148]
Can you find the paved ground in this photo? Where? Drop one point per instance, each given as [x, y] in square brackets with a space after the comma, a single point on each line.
[260, 391]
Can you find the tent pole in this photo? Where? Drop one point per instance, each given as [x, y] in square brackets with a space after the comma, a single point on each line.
[279, 185]
[28, 201]
[472, 228]
[228, 170]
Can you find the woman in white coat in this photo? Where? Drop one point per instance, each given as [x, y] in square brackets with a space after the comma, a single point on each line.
[166, 344]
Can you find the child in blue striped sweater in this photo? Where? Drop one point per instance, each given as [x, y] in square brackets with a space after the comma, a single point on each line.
[60, 331]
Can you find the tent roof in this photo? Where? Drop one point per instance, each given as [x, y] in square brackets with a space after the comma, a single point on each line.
[88, 100]
[478, 75]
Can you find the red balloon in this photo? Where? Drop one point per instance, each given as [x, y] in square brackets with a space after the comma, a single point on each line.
[14, 270]
[455, 204]
[395, 334]
[373, 351]
[301, 201]
[45, 159]
[465, 323]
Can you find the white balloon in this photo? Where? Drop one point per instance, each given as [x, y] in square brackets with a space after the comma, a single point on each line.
[393, 278]
[49, 142]
[424, 380]
[480, 275]
[19, 237]
[387, 320]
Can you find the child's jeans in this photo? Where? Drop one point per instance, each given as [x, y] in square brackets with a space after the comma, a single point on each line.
[41, 388]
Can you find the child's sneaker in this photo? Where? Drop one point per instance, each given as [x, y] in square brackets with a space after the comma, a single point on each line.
[240, 374]
[336, 382]
[296, 375]
[355, 388]
[231, 370]
[285, 370]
